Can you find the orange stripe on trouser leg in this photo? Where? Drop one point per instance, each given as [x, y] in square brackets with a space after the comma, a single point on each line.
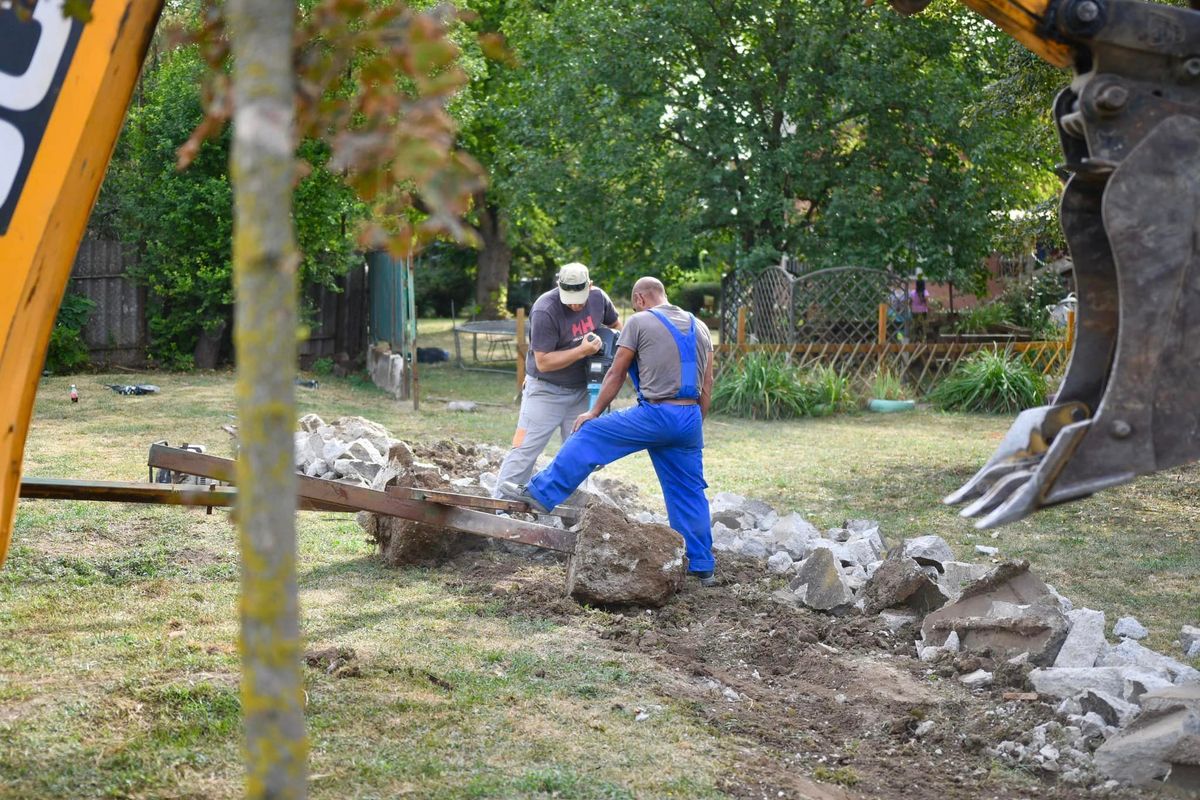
[518, 437]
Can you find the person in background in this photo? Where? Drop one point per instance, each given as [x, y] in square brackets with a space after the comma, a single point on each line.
[555, 390]
[918, 302]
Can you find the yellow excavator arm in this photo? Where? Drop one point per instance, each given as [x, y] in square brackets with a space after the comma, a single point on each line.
[64, 88]
[1129, 124]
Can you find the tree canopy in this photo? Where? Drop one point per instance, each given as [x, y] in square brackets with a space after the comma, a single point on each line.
[830, 131]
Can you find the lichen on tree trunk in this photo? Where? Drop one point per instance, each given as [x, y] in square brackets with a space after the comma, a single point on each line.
[265, 261]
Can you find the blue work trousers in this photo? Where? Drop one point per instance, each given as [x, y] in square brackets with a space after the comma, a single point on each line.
[674, 437]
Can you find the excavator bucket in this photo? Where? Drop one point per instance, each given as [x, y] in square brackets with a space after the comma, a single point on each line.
[1130, 401]
[64, 88]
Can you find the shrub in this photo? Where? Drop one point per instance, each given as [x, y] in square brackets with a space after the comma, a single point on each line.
[67, 349]
[886, 385]
[323, 366]
[830, 391]
[991, 381]
[981, 319]
[767, 386]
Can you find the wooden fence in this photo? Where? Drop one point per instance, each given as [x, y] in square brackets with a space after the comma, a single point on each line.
[919, 364]
[116, 332]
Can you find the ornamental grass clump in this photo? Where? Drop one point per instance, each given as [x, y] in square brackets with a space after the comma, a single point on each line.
[992, 382]
[767, 386]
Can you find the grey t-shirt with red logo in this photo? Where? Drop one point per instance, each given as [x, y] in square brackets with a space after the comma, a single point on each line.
[554, 327]
[658, 361]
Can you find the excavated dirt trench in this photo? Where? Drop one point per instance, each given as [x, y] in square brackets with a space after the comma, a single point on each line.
[826, 707]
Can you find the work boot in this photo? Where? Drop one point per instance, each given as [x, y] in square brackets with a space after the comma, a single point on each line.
[708, 578]
[519, 492]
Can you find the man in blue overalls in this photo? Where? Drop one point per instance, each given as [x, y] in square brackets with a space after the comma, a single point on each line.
[669, 358]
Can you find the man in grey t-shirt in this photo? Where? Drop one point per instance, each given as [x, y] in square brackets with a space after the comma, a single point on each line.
[555, 390]
[668, 355]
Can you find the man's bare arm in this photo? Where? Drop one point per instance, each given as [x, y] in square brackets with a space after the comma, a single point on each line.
[706, 386]
[558, 359]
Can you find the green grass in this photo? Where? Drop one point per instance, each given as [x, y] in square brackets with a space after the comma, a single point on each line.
[118, 663]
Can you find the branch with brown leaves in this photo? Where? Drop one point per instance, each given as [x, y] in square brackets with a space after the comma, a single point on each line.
[373, 84]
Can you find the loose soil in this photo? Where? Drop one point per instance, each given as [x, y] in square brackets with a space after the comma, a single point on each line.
[826, 707]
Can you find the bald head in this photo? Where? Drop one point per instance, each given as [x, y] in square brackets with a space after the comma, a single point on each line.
[648, 292]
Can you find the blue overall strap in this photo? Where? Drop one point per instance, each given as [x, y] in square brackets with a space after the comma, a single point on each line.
[686, 344]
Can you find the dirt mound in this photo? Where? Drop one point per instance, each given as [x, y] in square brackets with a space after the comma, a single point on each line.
[619, 562]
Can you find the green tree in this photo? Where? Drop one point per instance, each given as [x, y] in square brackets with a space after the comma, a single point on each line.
[839, 133]
[183, 219]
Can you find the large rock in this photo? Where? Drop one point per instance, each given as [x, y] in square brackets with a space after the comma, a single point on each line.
[310, 423]
[619, 562]
[1005, 614]
[1162, 743]
[1069, 682]
[1085, 641]
[900, 582]
[928, 550]
[819, 583]
[1129, 652]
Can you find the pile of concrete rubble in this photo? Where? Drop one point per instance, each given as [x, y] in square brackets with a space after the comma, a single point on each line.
[1128, 714]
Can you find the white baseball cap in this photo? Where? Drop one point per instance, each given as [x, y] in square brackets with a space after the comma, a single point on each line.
[573, 283]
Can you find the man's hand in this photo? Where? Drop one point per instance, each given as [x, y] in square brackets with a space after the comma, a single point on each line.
[591, 344]
[582, 418]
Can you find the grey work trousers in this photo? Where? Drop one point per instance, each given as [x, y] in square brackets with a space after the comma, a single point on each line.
[545, 408]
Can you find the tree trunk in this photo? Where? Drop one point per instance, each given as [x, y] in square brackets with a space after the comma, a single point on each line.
[265, 262]
[208, 347]
[493, 264]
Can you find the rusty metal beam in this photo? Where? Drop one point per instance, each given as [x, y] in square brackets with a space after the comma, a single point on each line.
[395, 502]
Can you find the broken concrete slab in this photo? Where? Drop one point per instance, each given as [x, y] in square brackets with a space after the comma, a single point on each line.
[1130, 628]
[619, 562]
[310, 423]
[1085, 641]
[928, 550]
[1134, 653]
[794, 534]
[1006, 613]
[1151, 745]
[1069, 682]
[819, 583]
[901, 582]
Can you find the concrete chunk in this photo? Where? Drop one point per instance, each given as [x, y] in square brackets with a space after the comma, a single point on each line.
[928, 550]
[1134, 653]
[819, 583]
[1065, 682]
[1146, 751]
[901, 582]
[1189, 635]
[1130, 628]
[1111, 708]
[957, 575]
[1085, 641]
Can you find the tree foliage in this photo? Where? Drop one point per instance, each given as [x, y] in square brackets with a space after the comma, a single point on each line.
[840, 133]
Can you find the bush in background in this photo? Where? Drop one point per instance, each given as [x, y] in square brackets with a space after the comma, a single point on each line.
[766, 386]
[67, 349]
[993, 382]
[690, 297]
